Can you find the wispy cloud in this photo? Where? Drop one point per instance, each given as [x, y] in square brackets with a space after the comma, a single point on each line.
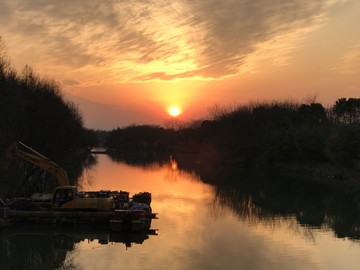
[165, 40]
[349, 63]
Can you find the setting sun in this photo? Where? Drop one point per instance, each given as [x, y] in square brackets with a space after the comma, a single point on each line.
[174, 111]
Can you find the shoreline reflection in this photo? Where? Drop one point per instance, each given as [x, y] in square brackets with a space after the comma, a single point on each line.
[264, 197]
[48, 247]
[240, 220]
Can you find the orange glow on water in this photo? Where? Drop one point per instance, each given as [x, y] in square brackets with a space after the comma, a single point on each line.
[173, 163]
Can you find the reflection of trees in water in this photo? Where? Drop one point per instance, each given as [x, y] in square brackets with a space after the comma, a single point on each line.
[48, 247]
[20, 251]
[148, 163]
[86, 177]
[245, 207]
[173, 175]
[174, 172]
[259, 197]
[140, 159]
[69, 263]
[267, 199]
[241, 203]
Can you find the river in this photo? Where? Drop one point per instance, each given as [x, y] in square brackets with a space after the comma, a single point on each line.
[199, 226]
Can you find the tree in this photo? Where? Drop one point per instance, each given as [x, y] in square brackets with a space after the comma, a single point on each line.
[343, 145]
[313, 114]
[347, 110]
[33, 110]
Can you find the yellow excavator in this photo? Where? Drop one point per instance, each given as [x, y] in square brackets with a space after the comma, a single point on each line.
[65, 196]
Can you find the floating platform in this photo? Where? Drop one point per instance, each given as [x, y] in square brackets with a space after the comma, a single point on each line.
[134, 215]
[119, 220]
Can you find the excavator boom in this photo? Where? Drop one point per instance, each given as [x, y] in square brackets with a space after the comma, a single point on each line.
[65, 196]
[42, 162]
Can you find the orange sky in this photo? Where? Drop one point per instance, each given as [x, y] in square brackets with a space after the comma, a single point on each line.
[125, 62]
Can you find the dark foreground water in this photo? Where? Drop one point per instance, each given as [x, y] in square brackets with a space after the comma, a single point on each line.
[257, 225]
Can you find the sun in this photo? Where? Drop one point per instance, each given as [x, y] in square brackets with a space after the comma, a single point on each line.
[174, 111]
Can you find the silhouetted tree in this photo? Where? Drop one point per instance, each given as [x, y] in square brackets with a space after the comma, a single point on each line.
[347, 110]
[312, 114]
[34, 111]
[343, 145]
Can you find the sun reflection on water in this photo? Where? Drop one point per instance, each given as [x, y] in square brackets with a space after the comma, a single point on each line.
[173, 163]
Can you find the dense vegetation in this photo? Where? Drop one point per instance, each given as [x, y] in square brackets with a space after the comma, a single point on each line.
[34, 111]
[265, 135]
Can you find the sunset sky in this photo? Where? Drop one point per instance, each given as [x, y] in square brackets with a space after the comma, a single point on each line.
[127, 62]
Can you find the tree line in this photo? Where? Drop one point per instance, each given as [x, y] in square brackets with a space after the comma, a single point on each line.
[263, 134]
[34, 111]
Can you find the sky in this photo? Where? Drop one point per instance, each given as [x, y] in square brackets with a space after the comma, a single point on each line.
[127, 62]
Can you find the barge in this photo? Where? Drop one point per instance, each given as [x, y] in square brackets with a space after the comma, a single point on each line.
[132, 215]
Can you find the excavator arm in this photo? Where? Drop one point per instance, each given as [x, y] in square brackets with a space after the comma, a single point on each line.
[65, 196]
[41, 161]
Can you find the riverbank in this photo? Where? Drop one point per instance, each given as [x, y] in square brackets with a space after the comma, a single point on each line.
[210, 167]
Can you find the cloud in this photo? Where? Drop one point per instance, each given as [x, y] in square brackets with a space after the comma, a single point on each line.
[165, 40]
[4, 12]
[349, 63]
[70, 82]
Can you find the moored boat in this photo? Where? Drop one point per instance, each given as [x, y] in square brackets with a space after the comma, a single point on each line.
[126, 215]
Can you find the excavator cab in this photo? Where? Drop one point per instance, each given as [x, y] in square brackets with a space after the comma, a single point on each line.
[62, 195]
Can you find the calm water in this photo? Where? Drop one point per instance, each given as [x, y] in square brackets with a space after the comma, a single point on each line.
[200, 226]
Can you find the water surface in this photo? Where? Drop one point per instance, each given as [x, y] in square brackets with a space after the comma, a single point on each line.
[200, 226]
